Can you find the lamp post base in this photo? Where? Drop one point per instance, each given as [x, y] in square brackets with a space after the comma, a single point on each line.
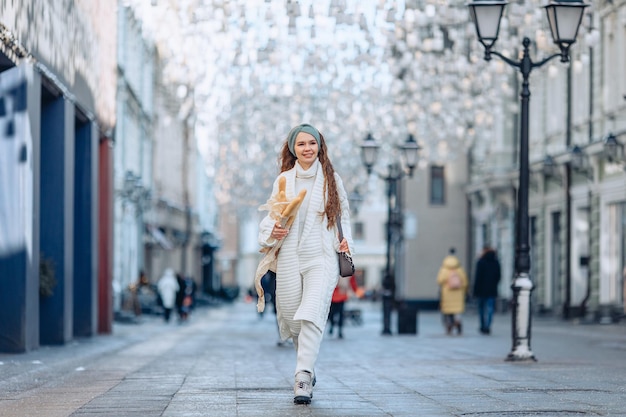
[387, 307]
[521, 355]
[522, 287]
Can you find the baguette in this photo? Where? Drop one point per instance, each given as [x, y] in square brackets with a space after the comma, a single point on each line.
[281, 197]
[290, 221]
[282, 184]
[294, 205]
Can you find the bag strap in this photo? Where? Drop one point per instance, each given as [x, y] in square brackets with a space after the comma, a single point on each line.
[339, 227]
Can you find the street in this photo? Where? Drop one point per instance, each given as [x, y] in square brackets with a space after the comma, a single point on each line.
[225, 362]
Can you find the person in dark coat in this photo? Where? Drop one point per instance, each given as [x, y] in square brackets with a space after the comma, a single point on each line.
[486, 280]
[180, 294]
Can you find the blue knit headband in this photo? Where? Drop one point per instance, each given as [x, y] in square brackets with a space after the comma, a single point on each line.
[306, 128]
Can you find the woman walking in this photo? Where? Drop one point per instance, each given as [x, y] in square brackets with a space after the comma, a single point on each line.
[306, 265]
[453, 282]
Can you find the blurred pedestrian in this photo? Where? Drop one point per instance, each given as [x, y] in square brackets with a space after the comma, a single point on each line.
[143, 279]
[307, 268]
[453, 282]
[133, 291]
[341, 294]
[180, 294]
[146, 294]
[189, 296]
[486, 280]
[168, 287]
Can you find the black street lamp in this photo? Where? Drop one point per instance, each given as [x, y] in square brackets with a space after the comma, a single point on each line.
[577, 158]
[612, 148]
[395, 221]
[564, 17]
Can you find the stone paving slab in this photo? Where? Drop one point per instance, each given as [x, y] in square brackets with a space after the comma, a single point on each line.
[225, 362]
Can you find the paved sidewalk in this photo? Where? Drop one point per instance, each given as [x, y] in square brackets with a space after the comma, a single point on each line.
[225, 362]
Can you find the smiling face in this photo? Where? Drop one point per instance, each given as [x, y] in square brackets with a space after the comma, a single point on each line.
[306, 148]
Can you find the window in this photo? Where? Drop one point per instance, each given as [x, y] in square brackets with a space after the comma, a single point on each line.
[358, 231]
[437, 185]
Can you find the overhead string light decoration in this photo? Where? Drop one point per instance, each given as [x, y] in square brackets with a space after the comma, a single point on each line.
[349, 67]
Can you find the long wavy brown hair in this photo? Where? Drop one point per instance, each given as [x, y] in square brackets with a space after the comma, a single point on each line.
[332, 209]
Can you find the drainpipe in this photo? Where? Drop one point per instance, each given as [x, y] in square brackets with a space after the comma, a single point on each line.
[591, 74]
[187, 208]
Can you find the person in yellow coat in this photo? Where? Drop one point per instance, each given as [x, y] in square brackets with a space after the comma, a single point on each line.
[453, 282]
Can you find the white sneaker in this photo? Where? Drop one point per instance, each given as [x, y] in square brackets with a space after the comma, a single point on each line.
[303, 388]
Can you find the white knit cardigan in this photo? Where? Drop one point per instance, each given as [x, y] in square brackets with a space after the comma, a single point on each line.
[317, 246]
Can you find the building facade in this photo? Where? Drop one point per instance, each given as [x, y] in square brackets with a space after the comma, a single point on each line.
[436, 220]
[165, 211]
[578, 184]
[57, 112]
[134, 147]
[89, 199]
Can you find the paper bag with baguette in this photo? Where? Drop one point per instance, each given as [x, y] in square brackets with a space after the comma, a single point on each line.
[284, 212]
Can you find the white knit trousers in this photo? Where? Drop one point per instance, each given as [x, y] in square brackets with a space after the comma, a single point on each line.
[307, 347]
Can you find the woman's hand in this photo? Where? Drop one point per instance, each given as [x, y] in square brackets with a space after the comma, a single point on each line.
[279, 232]
[343, 246]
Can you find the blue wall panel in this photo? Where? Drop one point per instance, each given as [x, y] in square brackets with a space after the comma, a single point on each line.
[55, 322]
